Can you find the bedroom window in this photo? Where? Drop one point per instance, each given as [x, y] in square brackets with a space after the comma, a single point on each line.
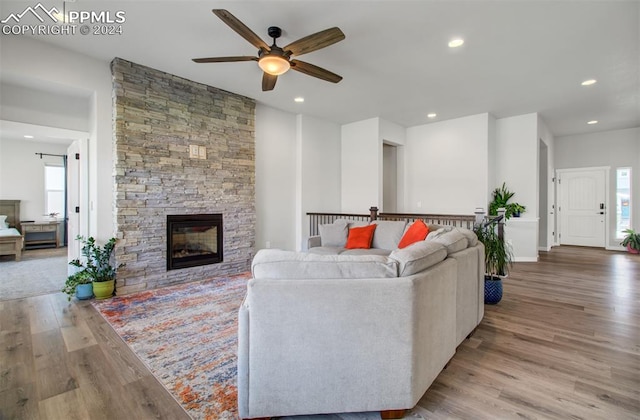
[54, 189]
[623, 201]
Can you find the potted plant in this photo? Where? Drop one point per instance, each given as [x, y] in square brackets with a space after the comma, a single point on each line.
[497, 259]
[631, 241]
[501, 197]
[97, 264]
[80, 285]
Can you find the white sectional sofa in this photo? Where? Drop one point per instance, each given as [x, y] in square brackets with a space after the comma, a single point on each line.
[339, 330]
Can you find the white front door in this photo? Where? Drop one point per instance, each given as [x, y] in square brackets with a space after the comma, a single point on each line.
[583, 206]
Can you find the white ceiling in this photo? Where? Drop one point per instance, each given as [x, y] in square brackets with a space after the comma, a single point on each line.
[518, 57]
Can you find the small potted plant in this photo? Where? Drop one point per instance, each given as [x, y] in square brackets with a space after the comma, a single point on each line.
[501, 197]
[497, 259]
[79, 285]
[631, 241]
[97, 263]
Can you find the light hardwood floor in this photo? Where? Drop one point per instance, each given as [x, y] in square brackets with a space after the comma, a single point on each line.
[564, 343]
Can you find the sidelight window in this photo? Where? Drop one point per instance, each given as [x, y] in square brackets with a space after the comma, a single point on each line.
[623, 201]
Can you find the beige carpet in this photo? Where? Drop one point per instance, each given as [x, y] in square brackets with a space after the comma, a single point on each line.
[40, 272]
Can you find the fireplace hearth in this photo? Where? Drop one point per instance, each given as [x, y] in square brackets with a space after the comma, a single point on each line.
[193, 240]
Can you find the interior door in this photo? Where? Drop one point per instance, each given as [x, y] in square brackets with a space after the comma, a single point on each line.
[73, 201]
[583, 207]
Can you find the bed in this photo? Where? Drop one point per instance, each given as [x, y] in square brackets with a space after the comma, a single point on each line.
[11, 240]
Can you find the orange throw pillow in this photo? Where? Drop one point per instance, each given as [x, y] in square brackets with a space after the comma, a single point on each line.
[416, 232]
[360, 237]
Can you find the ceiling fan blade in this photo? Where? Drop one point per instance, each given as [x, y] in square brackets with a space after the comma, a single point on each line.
[241, 29]
[268, 81]
[315, 71]
[225, 59]
[315, 41]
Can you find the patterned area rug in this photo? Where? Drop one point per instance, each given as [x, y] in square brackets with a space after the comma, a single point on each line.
[187, 336]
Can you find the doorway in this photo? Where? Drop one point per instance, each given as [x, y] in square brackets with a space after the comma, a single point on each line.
[389, 178]
[582, 206]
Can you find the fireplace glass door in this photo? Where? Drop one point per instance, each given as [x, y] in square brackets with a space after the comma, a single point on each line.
[193, 240]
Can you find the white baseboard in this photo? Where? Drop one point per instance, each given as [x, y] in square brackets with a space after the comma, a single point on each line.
[525, 259]
[615, 248]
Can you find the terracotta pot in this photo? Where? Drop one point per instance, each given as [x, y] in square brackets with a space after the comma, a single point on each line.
[632, 251]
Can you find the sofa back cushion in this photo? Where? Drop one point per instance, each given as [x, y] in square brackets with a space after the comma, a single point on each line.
[388, 233]
[450, 237]
[334, 234]
[418, 256]
[279, 264]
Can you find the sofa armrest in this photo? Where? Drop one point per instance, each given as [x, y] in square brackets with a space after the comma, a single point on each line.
[368, 344]
[313, 242]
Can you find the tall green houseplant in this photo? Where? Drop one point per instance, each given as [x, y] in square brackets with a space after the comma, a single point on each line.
[497, 259]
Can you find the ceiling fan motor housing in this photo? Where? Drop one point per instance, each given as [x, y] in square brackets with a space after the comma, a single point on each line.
[274, 32]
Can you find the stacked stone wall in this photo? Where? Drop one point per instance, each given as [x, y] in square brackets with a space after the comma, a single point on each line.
[157, 116]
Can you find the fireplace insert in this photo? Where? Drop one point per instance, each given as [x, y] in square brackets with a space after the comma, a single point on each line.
[193, 240]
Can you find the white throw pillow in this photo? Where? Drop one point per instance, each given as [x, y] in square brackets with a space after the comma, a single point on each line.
[3, 224]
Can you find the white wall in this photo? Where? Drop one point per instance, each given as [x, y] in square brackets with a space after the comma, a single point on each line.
[319, 171]
[23, 104]
[516, 159]
[517, 165]
[42, 65]
[22, 174]
[361, 154]
[446, 166]
[275, 178]
[618, 148]
[547, 213]
[298, 170]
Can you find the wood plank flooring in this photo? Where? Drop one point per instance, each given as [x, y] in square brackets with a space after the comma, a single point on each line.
[564, 343]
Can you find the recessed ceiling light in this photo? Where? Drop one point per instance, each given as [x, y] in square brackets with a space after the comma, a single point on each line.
[592, 122]
[432, 115]
[589, 82]
[454, 43]
[299, 99]
[26, 136]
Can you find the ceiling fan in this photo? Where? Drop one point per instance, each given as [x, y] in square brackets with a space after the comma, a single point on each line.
[274, 60]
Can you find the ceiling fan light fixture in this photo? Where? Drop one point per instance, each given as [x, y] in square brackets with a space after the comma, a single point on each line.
[274, 65]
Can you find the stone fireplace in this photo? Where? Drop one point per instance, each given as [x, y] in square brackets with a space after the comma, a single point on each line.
[181, 149]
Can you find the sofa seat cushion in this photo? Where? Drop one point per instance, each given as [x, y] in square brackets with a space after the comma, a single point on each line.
[279, 264]
[388, 234]
[450, 237]
[370, 251]
[418, 257]
[326, 250]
